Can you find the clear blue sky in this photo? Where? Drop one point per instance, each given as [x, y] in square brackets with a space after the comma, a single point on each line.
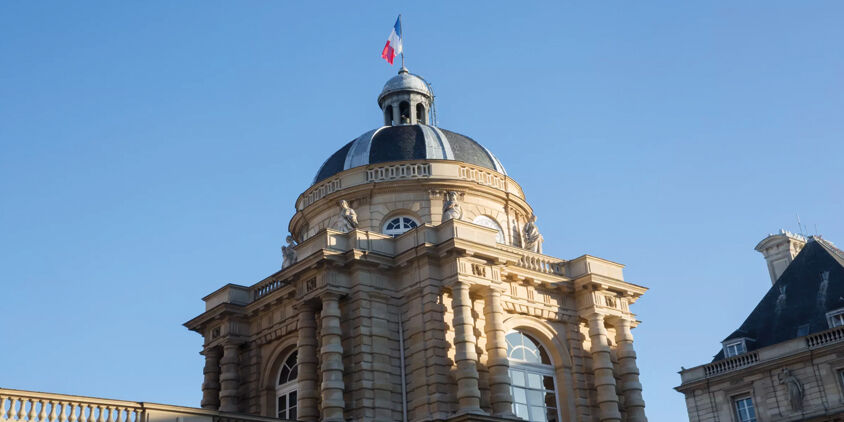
[152, 151]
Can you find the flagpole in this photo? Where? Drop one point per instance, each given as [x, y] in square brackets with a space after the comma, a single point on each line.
[402, 40]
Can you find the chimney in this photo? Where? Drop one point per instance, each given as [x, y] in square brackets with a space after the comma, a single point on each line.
[779, 250]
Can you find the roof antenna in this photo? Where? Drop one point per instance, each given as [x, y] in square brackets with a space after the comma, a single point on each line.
[800, 226]
[433, 110]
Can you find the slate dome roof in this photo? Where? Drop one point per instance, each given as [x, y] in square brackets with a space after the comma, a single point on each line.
[407, 142]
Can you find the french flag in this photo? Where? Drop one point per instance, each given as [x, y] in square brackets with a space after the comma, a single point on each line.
[393, 46]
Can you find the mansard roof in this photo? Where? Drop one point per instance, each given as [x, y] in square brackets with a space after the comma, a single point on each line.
[811, 286]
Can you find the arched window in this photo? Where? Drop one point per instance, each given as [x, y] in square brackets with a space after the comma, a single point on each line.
[286, 387]
[420, 114]
[404, 113]
[485, 221]
[388, 115]
[532, 379]
[399, 225]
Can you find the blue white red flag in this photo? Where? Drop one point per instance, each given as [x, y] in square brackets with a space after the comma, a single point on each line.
[393, 47]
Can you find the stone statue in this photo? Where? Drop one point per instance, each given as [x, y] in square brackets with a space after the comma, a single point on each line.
[288, 253]
[795, 389]
[533, 240]
[348, 220]
[451, 208]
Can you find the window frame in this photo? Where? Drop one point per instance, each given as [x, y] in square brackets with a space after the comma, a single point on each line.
[289, 386]
[734, 342]
[531, 368]
[399, 217]
[835, 315]
[737, 400]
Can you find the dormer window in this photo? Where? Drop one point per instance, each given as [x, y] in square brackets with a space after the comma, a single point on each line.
[734, 348]
[835, 318]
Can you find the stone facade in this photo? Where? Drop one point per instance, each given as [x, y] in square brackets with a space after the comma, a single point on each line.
[413, 326]
[786, 361]
[815, 361]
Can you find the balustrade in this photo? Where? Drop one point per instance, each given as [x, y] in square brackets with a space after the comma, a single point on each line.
[537, 261]
[731, 364]
[826, 337]
[16, 407]
[30, 406]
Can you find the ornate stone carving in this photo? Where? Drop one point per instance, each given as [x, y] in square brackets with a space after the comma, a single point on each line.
[288, 252]
[348, 219]
[533, 240]
[795, 389]
[451, 208]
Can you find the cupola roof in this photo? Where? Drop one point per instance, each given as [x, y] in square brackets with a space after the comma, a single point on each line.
[405, 81]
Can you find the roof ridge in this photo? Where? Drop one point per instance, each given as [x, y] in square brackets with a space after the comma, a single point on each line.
[836, 253]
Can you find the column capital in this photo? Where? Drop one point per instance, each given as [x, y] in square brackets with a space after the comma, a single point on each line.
[330, 295]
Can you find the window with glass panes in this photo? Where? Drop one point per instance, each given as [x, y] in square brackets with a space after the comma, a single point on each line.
[744, 410]
[286, 388]
[399, 225]
[835, 318]
[734, 349]
[532, 382]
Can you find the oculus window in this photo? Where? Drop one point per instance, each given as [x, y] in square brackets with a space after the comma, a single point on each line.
[287, 387]
[399, 225]
[532, 381]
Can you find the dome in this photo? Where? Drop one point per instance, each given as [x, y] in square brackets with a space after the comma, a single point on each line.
[405, 81]
[407, 142]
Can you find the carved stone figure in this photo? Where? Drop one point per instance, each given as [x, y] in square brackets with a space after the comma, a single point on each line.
[533, 240]
[288, 252]
[795, 389]
[348, 220]
[451, 208]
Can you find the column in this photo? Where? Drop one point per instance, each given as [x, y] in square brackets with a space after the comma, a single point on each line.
[306, 346]
[211, 384]
[468, 394]
[332, 359]
[496, 349]
[631, 388]
[229, 380]
[602, 369]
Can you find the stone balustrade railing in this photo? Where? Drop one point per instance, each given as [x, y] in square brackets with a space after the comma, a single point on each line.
[731, 364]
[31, 406]
[826, 337]
[266, 287]
[536, 261]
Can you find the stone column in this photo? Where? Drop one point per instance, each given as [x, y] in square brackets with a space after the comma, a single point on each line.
[331, 359]
[496, 349]
[468, 393]
[211, 384]
[229, 379]
[631, 388]
[306, 346]
[602, 369]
